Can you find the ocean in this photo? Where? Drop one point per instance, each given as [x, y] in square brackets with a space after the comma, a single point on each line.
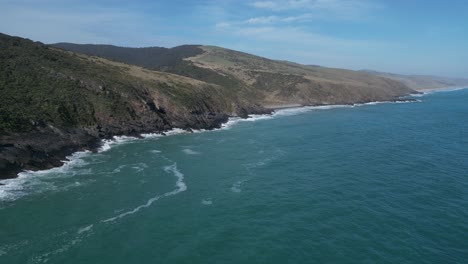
[375, 183]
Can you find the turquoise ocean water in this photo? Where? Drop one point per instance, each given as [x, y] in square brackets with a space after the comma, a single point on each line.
[383, 183]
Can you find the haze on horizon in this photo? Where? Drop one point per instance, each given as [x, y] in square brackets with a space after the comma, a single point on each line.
[406, 37]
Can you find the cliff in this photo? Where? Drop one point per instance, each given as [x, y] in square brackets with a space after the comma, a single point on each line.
[54, 102]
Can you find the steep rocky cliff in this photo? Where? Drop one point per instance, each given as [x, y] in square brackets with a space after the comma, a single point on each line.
[54, 102]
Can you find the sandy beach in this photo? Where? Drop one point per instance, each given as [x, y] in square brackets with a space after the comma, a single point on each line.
[442, 89]
[281, 106]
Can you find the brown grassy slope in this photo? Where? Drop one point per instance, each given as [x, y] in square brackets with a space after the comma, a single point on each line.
[255, 78]
[290, 83]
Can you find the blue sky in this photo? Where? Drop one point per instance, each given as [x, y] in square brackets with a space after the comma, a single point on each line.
[409, 37]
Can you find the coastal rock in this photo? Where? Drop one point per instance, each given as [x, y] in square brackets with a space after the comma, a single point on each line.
[56, 102]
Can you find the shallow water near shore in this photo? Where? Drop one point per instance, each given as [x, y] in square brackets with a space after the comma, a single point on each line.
[384, 183]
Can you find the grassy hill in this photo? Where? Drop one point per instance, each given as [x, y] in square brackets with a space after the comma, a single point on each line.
[290, 83]
[136, 56]
[277, 82]
[53, 102]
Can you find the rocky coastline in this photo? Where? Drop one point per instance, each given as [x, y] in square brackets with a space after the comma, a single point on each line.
[56, 102]
[48, 147]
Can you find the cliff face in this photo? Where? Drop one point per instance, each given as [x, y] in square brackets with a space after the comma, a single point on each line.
[54, 102]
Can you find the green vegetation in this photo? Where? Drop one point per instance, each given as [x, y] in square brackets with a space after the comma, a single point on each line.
[54, 102]
[40, 85]
[33, 91]
[165, 60]
[267, 82]
[160, 57]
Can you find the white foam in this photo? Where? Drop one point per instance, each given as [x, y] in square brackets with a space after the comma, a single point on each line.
[190, 152]
[155, 151]
[33, 181]
[118, 169]
[231, 121]
[207, 201]
[152, 135]
[65, 243]
[172, 132]
[13, 187]
[236, 187]
[199, 130]
[107, 144]
[402, 101]
[181, 187]
[305, 109]
[180, 179]
[139, 167]
[85, 229]
[252, 118]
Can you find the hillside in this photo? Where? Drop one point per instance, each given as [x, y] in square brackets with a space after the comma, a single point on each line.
[54, 102]
[278, 82]
[289, 83]
[160, 57]
[422, 82]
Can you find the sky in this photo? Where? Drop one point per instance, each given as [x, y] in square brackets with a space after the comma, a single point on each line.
[400, 36]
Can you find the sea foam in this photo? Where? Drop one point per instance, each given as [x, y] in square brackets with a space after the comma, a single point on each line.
[207, 201]
[180, 187]
[35, 181]
[190, 151]
[107, 144]
[85, 229]
[14, 188]
[251, 118]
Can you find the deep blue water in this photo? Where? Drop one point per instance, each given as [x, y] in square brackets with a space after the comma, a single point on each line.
[385, 183]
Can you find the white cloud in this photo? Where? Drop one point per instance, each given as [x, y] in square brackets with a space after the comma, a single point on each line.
[262, 20]
[81, 24]
[294, 35]
[265, 4]
[298, 3]
[331, 9]
[222, 25]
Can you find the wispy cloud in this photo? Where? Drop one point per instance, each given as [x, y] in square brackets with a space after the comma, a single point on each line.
[265, 4]
[336, 9]
[343, 33]
[52, 22]
[293, 35]
[263, 20]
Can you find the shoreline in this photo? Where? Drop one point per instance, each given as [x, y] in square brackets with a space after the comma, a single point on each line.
[104, 144]
[276, 107]
[441, 89]
[282, 106]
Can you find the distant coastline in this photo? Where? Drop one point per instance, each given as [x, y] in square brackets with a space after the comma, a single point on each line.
[448, 88]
